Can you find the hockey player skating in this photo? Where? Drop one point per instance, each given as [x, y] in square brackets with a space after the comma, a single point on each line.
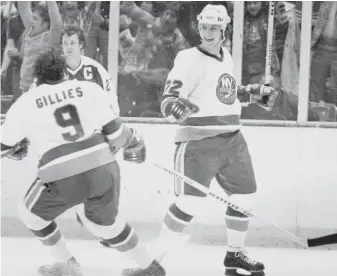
[202, 95]
[76, 134]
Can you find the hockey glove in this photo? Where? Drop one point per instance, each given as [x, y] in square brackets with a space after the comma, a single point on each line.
[182, 109]
[19, 151]
[136, 151]
[268, 95]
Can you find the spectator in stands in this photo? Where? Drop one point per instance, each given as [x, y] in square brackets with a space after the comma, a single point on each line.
[288, 46]
[76, 13]
[157, 42]
[281, 24]
[148, 7]
[159, 36]
[126, 40]
[43, 29]
[7, 10]
[98, 31]
[315, 11]
[11, 65]
[73, 13]
[3, 29]
[324, 54]
[255, 43]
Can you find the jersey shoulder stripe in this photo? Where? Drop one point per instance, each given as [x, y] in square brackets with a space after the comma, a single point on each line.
[89, 61]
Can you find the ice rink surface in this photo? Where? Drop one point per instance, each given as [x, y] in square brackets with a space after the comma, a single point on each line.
[22, 257]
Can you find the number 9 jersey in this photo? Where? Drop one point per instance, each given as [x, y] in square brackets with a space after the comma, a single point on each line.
[91, 70]
[51, 116]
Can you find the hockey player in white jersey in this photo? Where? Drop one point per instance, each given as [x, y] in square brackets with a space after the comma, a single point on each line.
[83, 68]
[80, 67]
[201, 94]
[76, 134]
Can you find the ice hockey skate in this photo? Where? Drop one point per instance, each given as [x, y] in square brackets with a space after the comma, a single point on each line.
[154, 269]
[238, 263]
[70, 268]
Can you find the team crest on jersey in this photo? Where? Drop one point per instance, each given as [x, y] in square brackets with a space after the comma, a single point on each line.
[226, 89]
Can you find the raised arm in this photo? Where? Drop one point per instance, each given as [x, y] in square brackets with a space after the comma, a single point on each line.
[55, 22]
[136, 13]
[25, 12]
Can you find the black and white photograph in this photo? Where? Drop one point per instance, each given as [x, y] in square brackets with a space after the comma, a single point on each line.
[154, 138]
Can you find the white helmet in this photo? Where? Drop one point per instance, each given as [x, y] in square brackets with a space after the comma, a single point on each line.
[215, 15]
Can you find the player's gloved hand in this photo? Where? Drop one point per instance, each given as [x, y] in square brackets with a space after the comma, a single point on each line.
[20, 150]
[136, 151]
[181, 109]
[268, 95]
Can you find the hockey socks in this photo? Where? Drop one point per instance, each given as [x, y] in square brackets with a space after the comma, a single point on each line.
[128, 243]
[237, 226]
[236, 261]
[170, 236]
[52, 237]
[176, 220]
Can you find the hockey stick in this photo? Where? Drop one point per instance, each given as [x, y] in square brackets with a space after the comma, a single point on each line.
[269, 42]
[269, 50]
[299, 240]
[324, 240]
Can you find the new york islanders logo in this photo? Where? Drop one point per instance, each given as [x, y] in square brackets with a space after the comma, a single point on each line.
[226, 89]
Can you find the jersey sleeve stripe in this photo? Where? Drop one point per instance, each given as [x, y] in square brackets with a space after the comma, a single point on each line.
[165, 96]
[121, 138]
[112, 126]
[213, 121]
[116, 134]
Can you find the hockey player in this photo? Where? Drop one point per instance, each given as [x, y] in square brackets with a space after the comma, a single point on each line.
[201, 94]
[84, 68]
[76, 134]
[80, 67]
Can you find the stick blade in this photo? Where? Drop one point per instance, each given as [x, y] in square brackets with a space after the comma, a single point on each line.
[329, 239]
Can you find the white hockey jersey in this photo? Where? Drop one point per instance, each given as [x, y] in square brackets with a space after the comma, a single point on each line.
[207, 81]
[91, 70]
[64, 123]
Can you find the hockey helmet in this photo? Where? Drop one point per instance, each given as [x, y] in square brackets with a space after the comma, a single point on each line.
[215, 15]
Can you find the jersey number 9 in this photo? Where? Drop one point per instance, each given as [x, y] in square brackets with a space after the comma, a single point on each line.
[67, 116]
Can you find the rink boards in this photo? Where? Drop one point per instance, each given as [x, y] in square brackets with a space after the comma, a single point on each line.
[295, 170]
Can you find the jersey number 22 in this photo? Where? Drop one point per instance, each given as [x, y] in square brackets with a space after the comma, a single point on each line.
[67, 116]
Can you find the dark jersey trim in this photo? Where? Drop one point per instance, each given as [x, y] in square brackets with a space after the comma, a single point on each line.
[211, 55]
